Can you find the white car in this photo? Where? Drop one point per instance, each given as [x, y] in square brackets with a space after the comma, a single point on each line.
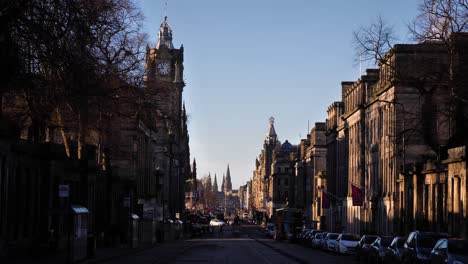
[217, 222]
[346, 243]
[330, 241]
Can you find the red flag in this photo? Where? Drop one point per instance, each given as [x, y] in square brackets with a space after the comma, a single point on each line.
[357, 195]
[325, 200]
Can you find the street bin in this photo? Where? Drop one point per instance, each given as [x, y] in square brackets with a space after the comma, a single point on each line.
[79, 233]
[134, 235]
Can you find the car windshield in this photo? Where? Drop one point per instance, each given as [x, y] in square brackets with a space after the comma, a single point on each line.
[350, 237]
[333, 236]
[458, 247]
[319, 235]
[369, 239]
[427, 241]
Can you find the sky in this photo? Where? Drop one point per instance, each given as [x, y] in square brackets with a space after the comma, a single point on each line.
[247, 60]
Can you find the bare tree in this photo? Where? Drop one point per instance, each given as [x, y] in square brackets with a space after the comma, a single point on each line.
[76, 59]
[445, 22]
[438, 25]
[373, 42]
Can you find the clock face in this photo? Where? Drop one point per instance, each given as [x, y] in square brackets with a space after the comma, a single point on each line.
[164, 68]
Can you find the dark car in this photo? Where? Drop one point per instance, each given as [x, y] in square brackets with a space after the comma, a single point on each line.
[310, 236]
[302, 235]
[418, 246]
[363, 247]
[378, 249]
[394, 252]
[450, 251]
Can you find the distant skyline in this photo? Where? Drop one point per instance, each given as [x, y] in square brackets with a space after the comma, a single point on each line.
[248, 60]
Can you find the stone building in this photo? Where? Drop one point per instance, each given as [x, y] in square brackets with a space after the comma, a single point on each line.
[333, 214]
[316, 160]
[262, 172]
[280, 183]
[134, 161]
[388, 139]
[353, 117]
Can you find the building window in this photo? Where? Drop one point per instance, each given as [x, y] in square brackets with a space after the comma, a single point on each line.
[286, 181]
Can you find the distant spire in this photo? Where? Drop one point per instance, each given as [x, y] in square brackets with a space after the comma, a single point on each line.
[165, 35]
[228, 179]
[215, 184]
[194, 169]
[271, 136]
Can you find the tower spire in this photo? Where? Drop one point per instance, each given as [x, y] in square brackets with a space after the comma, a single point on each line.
[165, 35]
[271, 136]
[215, 184]
[228, 179]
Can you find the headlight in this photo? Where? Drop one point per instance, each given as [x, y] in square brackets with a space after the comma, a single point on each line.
[423, 256]
[457, 262]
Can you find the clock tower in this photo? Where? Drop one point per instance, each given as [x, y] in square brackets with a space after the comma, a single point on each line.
[163, 94]
[164, 74]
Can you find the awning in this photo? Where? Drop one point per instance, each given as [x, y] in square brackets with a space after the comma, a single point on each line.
[78, 209]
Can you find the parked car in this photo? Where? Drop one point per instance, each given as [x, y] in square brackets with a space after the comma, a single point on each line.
[310, 235]
[379, 249]
[329, 243]
[418, 246]
[363, 247]
[346, 243]
[319, 238]
[217, 222]
[301, 236]
[394, 252]
[450, 251]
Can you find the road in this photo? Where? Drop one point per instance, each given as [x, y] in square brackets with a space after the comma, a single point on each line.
[245, 246]
[250, 246]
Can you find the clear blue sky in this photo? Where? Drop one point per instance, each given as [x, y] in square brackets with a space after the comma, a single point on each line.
[247, 60]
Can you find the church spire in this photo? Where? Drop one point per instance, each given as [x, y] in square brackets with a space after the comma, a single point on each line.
[165, 35]
[228, 179]
[215, 184]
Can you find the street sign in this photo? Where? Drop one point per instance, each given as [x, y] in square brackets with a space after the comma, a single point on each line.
[64, 191]
[195, 195]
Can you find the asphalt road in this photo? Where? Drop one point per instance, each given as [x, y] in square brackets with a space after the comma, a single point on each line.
[248, 245]
[231, 250]
[244, 246]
